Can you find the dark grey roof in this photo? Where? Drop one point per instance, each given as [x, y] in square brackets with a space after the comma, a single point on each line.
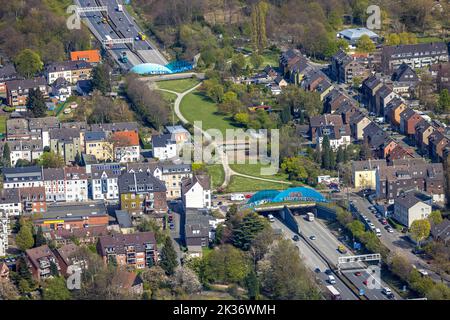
[22, 170]
[408, 50]
[67, 65]
[65, 135]
[203, 180]
[53, 174]
[441, 230]
[9, 196]
[25, 84]
[405, 73]
[371, 82]
[160, 141]
[116, 243]
[43, 123]
[407, 201]
[8, 72]
[117, 126]
[124, 219]
[140, 182]
[75, 210]
[95, 136]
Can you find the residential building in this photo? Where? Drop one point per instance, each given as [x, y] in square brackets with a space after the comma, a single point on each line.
[84, 236]
[136, 250]
[90, 56]
[29, 150]
[382, 97]
[196, 231]
[41, 127]
[98, 145]
[293, 66]
[410, 207]
[442, 72]
[317, 122]
[126, 146]
[179, 134]
[7, 73]
[76, 184]
[346, 68]
[141, 192]
[164, 146]
[61, 89]
[10, 202]
[405, 80]
[437, 142]
[364, 173]
[4, 233]
[196, 192]
[369, 88]
[69, 216]
[40, 261]
[408, 121]
[415, 55]
[17, 90]
[22, 177]
[55, 184]
[68, 142]
[353, 35]
[104, 183]
[338, 136]
[33, 199]
[17, 129]
[423, 131]
[68, 256]
[393, 111]
[72, 71]
[358, 122]
[441, 231]
[124, 222]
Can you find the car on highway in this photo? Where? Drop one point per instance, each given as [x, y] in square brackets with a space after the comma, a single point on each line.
[423, 272]
[365, 282]
[331, 279]
[296, 238]
[357, 273]
[328, 271]
[313, 237]
[120, 19]
[386, 291]
[171, 226]
[342, 249]
[317, 270]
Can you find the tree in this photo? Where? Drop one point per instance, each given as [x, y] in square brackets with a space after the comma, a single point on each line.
[400, 265]
[435, 217]
[365, 44]
[6, 155]
[186, 280]
[24, 238]
[23, 163]
[252, 284]
[226, 264]
[169, 259]
[256, 60]
[40, 239]
[8, 291]
[242, 118]
[420, 230]
[327, 160]
[247, 230]
[258, 24]
[393, 39]
[28, 63]
[444, 101]
[36, 103]
[238, 64]
[155, 278]
[284, 276]
[365, 153]
[51, 160]
[56, 289]
[101, 78]
[295, 168]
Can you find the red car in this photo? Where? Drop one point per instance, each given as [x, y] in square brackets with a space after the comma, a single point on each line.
[384, 222]
[365, 282]
[357, 273]
[248, 196]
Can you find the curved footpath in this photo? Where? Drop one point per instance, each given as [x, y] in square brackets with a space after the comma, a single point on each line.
[222, 154]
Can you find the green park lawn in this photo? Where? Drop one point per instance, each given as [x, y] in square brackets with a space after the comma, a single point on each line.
[242, 184]
[269, 58]
[178, 85]
[196, 107]
[217, 174]
[255, 170]
[168, 96]
[3, 124]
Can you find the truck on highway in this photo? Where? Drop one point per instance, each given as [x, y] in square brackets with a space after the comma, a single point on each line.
[310, 216]
[237, 197]
[120, 8]
[342, 249]
[331, 279]
[335, 295]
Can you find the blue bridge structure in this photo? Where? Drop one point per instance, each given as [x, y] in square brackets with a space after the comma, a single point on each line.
[177, 66]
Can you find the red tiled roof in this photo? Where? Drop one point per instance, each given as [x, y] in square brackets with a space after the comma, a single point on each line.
[92, 56]
[129, 138]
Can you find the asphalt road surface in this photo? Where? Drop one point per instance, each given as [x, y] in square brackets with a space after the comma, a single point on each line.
[313, 261]
[327, 244]
[129, 28]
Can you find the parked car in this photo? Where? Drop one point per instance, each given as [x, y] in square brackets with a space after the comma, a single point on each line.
[357, 273]
[296, 238]
[312, 237]
[317, 270]
[328, 272]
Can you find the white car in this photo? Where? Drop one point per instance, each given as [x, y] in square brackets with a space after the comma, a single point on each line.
[423, 272]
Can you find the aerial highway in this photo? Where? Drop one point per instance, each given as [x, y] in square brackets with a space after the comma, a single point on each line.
[314, 261]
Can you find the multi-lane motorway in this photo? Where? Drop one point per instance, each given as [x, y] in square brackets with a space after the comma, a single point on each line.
[120, 25]
[313, 261]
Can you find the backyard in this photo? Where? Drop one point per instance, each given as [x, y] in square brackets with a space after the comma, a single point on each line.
[178, 85]
[196, 107]
[3, 124]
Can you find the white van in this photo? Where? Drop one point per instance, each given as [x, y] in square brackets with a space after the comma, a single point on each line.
[386, 291]
[271, 218]
[378, 232]
[331, 279]
[237, 197]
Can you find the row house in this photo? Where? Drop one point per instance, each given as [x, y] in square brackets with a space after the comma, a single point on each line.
[317, 122]
[382, 98]
[407, 174]
[164, 146]
[98, 145]
[33, 199]
[405, 80]
[442, 73]
[71, 71]
[18, 129]
[55, 184]
[408, 121]
[126, 146]
[414, 55]
[10, 202]
[293, 66]
[369, 88]
[29, 150]
[333, 100]
[438, 142]
[346, 111]
[337, 135]
[141, 192]
[358, 121]
[17, 90]
[104, 183]
[346, 68]
[7, 73]
[68, 142]
[85, 236]
[76, 184]
[423, 131]
[376, 138]
[364, 173]
[136, 250]
[4, 233]
[393, 111]
[22, 177]
[42, 127]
